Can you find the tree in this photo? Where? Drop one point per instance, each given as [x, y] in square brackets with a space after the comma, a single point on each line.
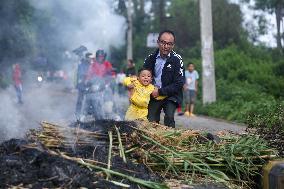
[17, 37]
[26, 33]
[272, 6]
[227, 23]
[185, 22]
[140, 28]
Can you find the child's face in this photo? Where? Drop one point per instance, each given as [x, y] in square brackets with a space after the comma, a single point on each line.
[190, 67]
[145, 77]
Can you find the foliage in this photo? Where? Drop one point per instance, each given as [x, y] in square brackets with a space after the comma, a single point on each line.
[268, 4]
[272, 6]
[3, 82]
[27, 33]
[273, 119]
[245, 82]
[17, 36]
[183, 18]
[186, 14]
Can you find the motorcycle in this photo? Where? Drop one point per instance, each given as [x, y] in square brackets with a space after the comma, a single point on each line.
[98, 102]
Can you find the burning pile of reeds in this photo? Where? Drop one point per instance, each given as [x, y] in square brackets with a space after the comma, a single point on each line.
[184, 154]
[126, 154]
[96, 149]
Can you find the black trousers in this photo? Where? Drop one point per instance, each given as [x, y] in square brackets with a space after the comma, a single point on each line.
[154, 111]
[79, 103]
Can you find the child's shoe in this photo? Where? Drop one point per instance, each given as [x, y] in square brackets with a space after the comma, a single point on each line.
[187, 113]
[192, 115]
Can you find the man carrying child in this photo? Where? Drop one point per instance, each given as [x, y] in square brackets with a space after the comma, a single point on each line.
[168, 79]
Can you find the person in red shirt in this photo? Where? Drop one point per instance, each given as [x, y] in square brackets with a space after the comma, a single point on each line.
[99, 67]
[17, 79]
[99, 73]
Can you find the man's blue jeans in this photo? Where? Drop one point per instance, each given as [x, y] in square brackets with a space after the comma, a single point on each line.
[19, 93]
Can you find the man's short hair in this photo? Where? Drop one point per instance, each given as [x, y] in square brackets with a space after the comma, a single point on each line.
[166, 31]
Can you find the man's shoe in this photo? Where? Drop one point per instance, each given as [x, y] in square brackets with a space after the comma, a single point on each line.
[186, 113]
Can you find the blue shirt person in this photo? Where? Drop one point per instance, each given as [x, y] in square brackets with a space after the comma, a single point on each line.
[190, 89]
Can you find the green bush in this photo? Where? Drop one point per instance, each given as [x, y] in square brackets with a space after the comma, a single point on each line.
[272, 117]
[247, 81]
[4, 83]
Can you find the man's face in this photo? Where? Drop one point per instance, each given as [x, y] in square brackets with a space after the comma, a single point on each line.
[166, 44]
[101, 59]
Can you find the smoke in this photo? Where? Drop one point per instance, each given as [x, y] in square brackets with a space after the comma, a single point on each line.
[40, 103]
[85, 22]
[78, 22]
[10, 117]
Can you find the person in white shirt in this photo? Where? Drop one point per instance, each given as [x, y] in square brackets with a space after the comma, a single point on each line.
[190, 89]
[119, 81]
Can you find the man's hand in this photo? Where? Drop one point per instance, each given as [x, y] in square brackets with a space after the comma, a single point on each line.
[155, 93]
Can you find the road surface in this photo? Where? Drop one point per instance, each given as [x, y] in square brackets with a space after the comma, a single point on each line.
[51, 103]
[208, 124]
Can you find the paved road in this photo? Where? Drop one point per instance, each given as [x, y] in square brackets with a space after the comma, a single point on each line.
[208, 124]
[51, 103]
[46, 103]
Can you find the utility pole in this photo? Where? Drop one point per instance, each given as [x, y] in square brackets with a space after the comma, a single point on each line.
[208, 68]
[129, 54]
[162, 14]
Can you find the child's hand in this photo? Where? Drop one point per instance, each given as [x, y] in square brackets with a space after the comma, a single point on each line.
[130, 86]
[131, 91]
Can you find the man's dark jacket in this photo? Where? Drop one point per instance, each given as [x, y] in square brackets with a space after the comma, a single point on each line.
[82, 71]
[172, 76]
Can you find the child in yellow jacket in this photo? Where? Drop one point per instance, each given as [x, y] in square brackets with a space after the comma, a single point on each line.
[141, 89]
